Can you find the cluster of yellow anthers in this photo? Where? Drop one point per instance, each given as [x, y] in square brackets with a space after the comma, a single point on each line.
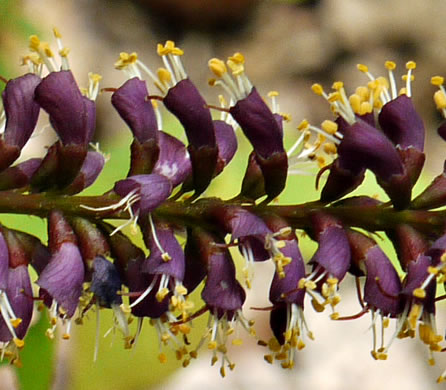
[274, 246]
[293, 341]
[165, 77]
[328, 296]
[366, 98]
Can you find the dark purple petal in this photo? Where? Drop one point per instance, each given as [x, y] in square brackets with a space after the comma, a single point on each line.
[21, 109]
[90, 170]
[253, 184]
[383, 285]
[155, 264]
[333, 253]
[367, 147]
[241, 223]
[130, 100]
[284, 289]
[138, 281]
[185, 102]
[222, 292]
[278, 322]
[341, 181]
[442, 130]
[105, 282]
[402, 124]
[152, 189]
[72, 115]
[62, 278]
[258, 124]
[19, 175]
[173, 161]
[226, 142]
[19, 294]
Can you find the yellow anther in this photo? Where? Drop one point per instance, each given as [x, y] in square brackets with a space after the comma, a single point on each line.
[236, 68]
[180, 289]
[19, 342]
[440, 99]
[222, 371]
[34, 43]
[273, 344]
[164, 75]
[334, 316]
[184, 328]
[355, 102]
[166, 257]
[50, 334]
[57, 33]
[237, 342]
[162, 358]
[16, 322]
[217, 67]
[94, 77]
[64, 52]
[301, 283]
[419, 293]
[161, 294]
[303, 125]
[363, 92]
[433, 270]
[390, 65]
[437, 80]
[212, 345]
[337, 85]
[214, 360]
[47, 50]
[162, 50]
[334, 97]
[273, 94]
[222, 348]
[237, 58]
[66, 336]
[411, 65]
[362, 68]
[329, 126]
[310, 285]
[330, 148]
[366, 108]
[317, 89]
[193, 354]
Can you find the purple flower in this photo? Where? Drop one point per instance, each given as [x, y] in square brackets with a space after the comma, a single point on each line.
[62, 278]
[72, 115]
[21, 110]
[19, 175]
[150, 191]
[173, 161]
[227, 143]
[130, 100]
[89, 172]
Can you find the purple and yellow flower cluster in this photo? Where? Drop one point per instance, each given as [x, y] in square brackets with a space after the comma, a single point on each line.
[90, 264]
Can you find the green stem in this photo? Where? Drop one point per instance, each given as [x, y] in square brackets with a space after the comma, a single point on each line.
[200, 212]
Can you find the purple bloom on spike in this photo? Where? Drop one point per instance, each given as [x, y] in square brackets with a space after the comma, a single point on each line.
[150, 191]
[19, 294]
[19, 175]
[173, 161]
[90, 170]
[130, 100]
[62, 278]
[21, 110]
[72, 115]
[226, 142]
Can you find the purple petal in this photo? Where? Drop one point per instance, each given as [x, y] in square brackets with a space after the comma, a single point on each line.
[72, 115]
[21, 109]
[333, 253]
[19, 294]
[258, 124]
[281, 287]
[226, 142]
[153, 190]
[402, 124]
[130, 100]
[90, 170]
[62, 278]
[173, 161]
[175, 267]
[383, 285]
[222, 292]
[185, 102]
